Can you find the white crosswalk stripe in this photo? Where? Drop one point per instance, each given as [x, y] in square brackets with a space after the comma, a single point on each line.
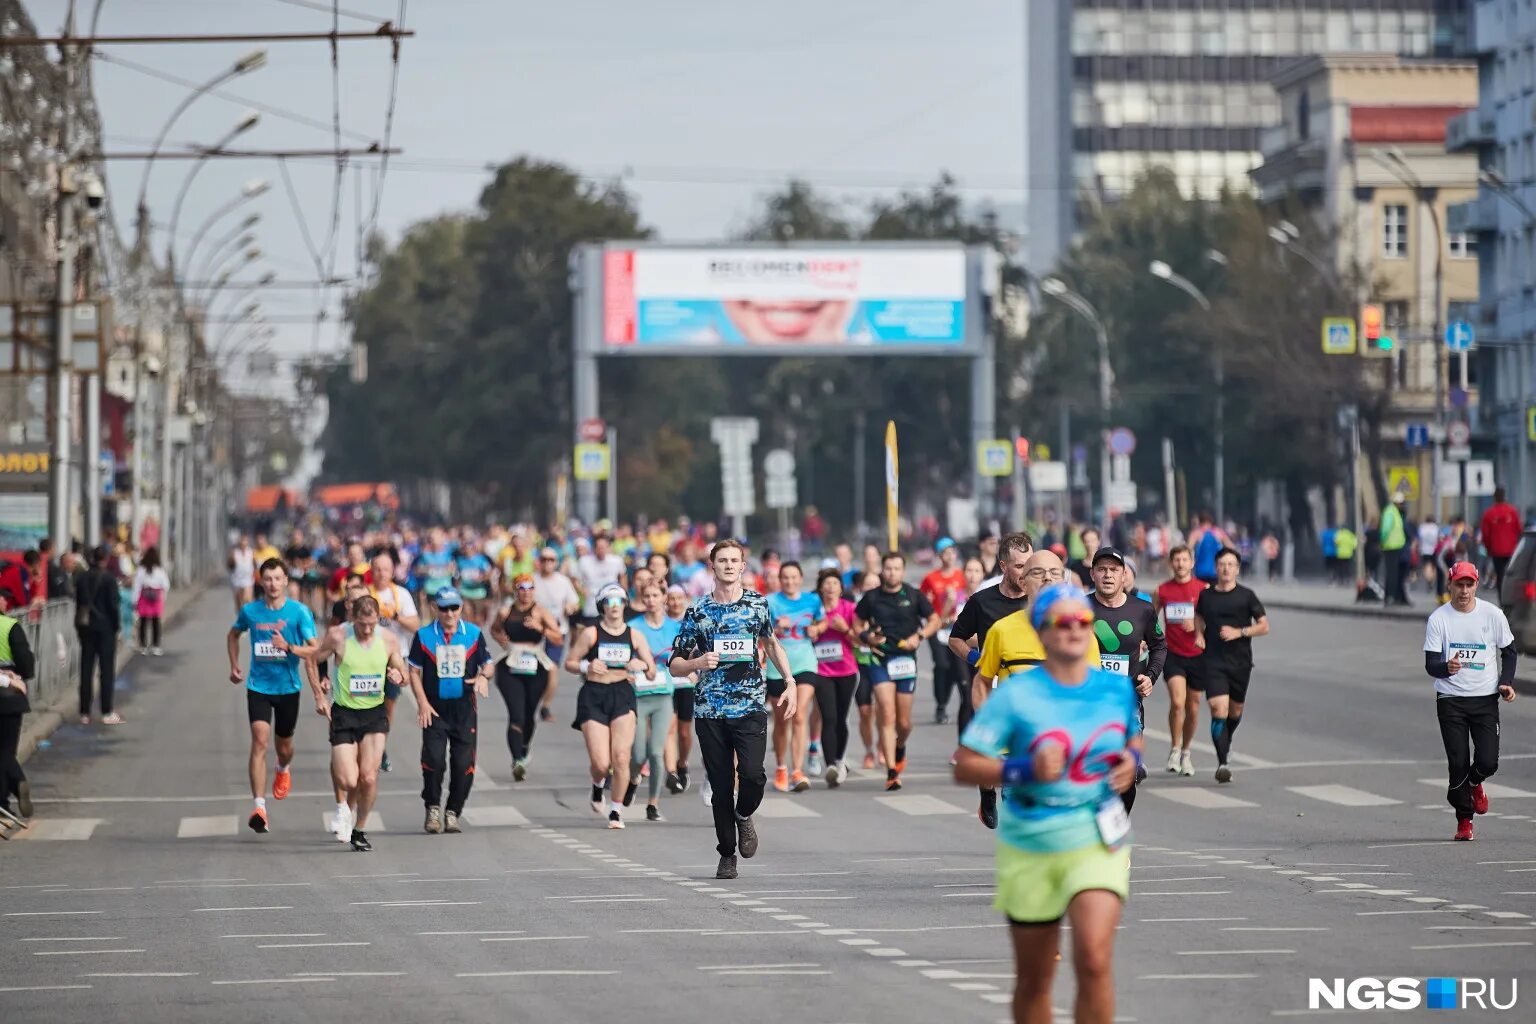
[1204, 799]
[784, 808]
[61, 829]
[1344, 796]
[920, 804]
[1493, 789]
[213, 825]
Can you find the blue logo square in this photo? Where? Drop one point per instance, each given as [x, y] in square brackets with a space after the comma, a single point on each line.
[1441, 993]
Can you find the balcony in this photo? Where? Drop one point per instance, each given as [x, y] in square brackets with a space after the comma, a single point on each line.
[1488, 27]
[1476, 216]
[1469, 130]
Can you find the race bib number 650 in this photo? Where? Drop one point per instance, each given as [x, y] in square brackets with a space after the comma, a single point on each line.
[735, 647]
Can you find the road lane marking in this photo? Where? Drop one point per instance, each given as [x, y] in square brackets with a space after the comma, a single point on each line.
[929, 928]
[205, 827]
[1393, 913]
[1189, 878]
[1194, 977]
[534, 938]
[73, 891]
[1203, 799]
[780, 892]
[502, 815]
[1478, 928]
[1395, 846]
[472, 933]
[82, 952]
[1204, 892]
[1336, 864]
[1185, 920]
[752, 967]
[61, 829]
[349, 974]
[276, 935]
[141, 974]
[1476, 945]
[1246, 760]
[42, 988]
[414, 881]
[309, 945]
[1344, 796]
[230, 910]
[533, 974]
[1233, 952]
[1507, 914]
[768, 974]
[231, 885]
[51, 913]
[1258, 928]
[920, 805]
[274, 981]
[78, 938]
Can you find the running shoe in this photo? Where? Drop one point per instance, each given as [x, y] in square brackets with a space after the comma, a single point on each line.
[434, 822]
[799, 783]
[520, 769]
[629, 792]
[954, 758]
[341, 824]
[814, 764]
[546, 715]
[674, 783]
[282, 784]
[746, 837]
[1464, 830]
[615, 819]
[158, 652]
[1187, 764]
[941, 716]
[1479, 801]
[645, 770]
[1173, 760]
[682, 774]
[781, 779]
[24, 798]
[653, 813]
[727, 868]
[384, 764]
[85, 719]
[987, 812]
[892, 782]
[258, 821]
[707, 792]
[451, 822]
[1223, 773]
[869, 760]
[597, 799]
[834, 776]
[360, 841]
[112, 718]
[901, 760]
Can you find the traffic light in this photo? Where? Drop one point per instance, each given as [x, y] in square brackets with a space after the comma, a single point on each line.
[1371, 330]
[1021, 448]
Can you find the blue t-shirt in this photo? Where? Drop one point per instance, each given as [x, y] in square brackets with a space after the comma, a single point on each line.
[801, 611]
[272, 671]
[1205, 555]
[447, 661]
[433, 570]
[660, 638]
[735, 688]
[474, 576]
[1092, 722]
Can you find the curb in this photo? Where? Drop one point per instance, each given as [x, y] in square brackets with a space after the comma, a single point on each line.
[39, 725]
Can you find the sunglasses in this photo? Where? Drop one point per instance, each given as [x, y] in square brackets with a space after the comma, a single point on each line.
[1067, 620]
[525, 586]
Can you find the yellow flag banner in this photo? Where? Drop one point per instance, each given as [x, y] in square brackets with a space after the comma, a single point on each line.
[892, 484]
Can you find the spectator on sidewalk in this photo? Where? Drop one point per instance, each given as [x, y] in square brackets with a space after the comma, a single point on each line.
[1499, 533]
[150, 587]
[1394, 551]
[16, 667]
[1344, 544]
[97, 621]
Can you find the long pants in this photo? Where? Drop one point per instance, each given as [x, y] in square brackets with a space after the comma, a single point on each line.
[1469, 728]
[149, 631]
[522, 694]
[653, 717]
[1500, 567]
[11, 774]
[98, 648]
[944, 678]
[732, 750]
[1392, 576]
[448, 744]
[834, 696]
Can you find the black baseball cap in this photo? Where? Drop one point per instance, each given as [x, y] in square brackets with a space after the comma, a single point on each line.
[1106, 552]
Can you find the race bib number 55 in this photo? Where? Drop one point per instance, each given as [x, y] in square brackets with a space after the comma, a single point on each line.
[450, 661]
[735, 647]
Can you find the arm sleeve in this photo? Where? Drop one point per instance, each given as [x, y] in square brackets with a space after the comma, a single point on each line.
[418, 654]
[406, 604]
[1434, 664]
[685, 646]
[1256, 607]
[1508, 656]
[988, 732]
[241, 624]
[763, 620]
[964, 626]
[861, 610]
[991, 654]
[22, 661]
[1434, 637]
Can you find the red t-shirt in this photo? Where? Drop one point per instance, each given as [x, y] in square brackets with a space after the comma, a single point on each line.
[1500, 529]
[942, 587]
[1177, 600]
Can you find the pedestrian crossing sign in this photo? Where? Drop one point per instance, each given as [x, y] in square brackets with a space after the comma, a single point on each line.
[1403, 480]
[994, 458]
[1339, 335]
[592, 461]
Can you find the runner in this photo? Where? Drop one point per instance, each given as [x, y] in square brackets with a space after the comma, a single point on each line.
[450, 667]
[1064, 848]
[265, 551]
[653, 702]
[272, 694]
[397, 610]
[605, 706]
[864, 694]
[556, 594]
[837, 674]
[984, 608]
[944, 588]
[1127, 630]
[595, 571]
[242, 572]
[526, 629]
[433, 567]
[1176, 600]
[477, 582]
[894, 620]
[723, 638]
[1459, 641]
[365, 657]
[798, 622]
[680, 735]
[1229, 615]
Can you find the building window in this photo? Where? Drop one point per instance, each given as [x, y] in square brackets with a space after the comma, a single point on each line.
[1394, 231]
[1463, 245]
[1394, 314]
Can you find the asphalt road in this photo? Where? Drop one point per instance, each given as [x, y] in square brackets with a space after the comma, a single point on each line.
[139, 894]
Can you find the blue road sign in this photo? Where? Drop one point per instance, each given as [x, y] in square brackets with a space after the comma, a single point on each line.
[1417, 435]
[1458, 335]
[1458, 397]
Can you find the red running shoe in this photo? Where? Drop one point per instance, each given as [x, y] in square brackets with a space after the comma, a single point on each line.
[1464, 830]
[1479, 800]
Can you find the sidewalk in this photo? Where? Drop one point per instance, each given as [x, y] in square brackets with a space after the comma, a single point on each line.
[40, 723]
[1338, 600]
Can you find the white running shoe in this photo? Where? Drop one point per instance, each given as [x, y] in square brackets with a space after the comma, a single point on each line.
[1186, 764]
[615, 819]
[1173, 759]
[342, 823]
[707, 792]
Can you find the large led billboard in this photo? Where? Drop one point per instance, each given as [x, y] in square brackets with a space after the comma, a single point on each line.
[780, 298]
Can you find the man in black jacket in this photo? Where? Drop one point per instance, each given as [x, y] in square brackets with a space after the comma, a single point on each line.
[97, 621]
[16, 667]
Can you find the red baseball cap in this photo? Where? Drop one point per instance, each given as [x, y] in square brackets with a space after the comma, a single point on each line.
[1463, 571]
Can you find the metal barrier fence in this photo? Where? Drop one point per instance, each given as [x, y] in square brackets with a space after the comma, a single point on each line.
[51, 632]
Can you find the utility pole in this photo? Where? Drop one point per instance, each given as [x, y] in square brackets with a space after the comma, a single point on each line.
[62, 380]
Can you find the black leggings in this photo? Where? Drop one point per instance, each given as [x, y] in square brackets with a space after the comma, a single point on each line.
[11, 775]
[834, 695]
[522, 695]
[149, 626]
[967, 703]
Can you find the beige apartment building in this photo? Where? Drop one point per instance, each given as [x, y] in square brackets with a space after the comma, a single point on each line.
[1361, 145]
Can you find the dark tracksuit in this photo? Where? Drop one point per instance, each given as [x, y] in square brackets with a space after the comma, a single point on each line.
[448, 744]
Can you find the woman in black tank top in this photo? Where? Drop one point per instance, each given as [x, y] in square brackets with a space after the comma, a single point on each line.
[522, 675]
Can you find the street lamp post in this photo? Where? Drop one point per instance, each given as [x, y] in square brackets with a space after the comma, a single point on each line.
[1057, 289]
[242, 126]
[1164, 272]
[249, 191]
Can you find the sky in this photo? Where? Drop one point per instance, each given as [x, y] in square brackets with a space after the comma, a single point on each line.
[700, 107]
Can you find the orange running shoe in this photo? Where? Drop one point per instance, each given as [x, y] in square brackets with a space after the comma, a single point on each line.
[869, 760]
[282, 784]
[781, 779]
[799, 783]
[258, 821]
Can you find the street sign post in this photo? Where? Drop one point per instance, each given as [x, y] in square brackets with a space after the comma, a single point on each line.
[994, 458]
[1338, 335]
[592, 430]
[1122, 496]
[1403, 480]
[1048, 477]
[1416, 435]
[1122, 441]
[1530, 422]
[592, 461]
[1458, 335]
[735, 436]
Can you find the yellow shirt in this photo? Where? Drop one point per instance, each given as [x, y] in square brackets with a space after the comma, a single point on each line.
[265, 553]
[1012, 646]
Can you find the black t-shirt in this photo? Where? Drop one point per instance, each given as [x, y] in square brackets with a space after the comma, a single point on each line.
[1121, 632]
[1236, 607]
[898, 615]
[982, 610]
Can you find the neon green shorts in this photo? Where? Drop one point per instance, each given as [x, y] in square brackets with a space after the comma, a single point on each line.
[1035, 888]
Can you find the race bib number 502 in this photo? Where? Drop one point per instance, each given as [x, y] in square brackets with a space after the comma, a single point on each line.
[735, 647]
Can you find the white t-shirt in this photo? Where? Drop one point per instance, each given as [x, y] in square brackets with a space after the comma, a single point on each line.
[1429, 538]
[1477, 635]
[596, 574]
[396, 602]
[553, 593]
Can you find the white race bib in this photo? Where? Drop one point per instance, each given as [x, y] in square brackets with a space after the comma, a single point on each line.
[265, 651]
[735, 647]
[901, 668]
[365, 686]
[1119, 664]
[450, 661]
[829, 650]
[613, 655]
[1184, 611]
[1114, 824]
[526, 663]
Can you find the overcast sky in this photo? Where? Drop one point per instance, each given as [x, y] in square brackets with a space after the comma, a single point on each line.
[700, 106]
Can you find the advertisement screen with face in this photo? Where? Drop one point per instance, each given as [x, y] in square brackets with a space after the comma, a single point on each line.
[784, 297]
